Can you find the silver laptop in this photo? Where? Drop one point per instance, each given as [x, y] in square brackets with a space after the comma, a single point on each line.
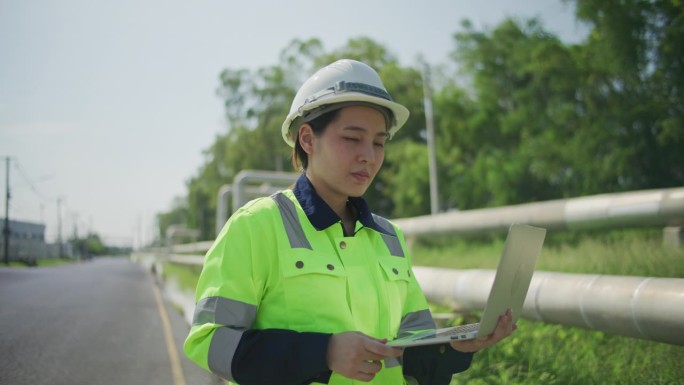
[511, 282]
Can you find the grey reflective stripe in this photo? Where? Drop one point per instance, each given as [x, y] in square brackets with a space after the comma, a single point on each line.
[293, 227]
[222, 348]
[392, 241]
[391, 362]
[414, 321]
[419, 320]
[224, 311]
[297, 238]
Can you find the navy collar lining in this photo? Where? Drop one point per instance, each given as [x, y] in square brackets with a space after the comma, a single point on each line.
[321, 215]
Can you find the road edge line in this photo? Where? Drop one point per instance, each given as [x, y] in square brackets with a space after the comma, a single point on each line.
[176, 368]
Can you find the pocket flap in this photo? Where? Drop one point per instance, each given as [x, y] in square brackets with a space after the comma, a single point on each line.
[396, 269]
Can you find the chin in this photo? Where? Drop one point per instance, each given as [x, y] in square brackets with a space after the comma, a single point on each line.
[357, 192]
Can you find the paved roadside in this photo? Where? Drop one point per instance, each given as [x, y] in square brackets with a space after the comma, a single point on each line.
[98, 322]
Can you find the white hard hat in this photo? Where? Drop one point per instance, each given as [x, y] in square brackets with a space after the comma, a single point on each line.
[344, 81]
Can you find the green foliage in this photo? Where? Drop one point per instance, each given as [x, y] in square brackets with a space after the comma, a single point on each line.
[552, 354]
[511, 131]
[526, 118]
[405, 171]
[91, 245]
[633, 63]
[178, 215]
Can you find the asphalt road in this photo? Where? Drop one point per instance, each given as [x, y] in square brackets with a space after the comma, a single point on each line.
[98, 322]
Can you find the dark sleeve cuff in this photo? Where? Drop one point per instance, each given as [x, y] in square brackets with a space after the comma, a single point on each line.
[280, 356]
[435, 364]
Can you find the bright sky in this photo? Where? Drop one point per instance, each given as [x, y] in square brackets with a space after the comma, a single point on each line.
[108, 105]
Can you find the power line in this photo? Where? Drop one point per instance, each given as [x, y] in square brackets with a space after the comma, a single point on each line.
[29, 182]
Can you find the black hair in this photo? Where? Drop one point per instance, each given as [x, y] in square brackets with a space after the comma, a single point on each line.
[300, 159]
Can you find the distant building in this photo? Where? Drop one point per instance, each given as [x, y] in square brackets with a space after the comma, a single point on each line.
[26, 241]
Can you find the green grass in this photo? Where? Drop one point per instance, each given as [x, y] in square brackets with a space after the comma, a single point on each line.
[553, 354]
[540, 353]
[185, 275]
[616, 252]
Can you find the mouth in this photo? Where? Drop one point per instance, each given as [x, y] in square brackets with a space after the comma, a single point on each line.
[361, 176]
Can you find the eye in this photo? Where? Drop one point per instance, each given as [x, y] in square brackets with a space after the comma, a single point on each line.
[351, 139]
[381, 145]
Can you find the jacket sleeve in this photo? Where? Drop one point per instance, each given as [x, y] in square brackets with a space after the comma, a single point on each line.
[434, 364]
[275, 356]
[221, 338]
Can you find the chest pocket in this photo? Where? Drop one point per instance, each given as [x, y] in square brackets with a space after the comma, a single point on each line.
[315, 290]
[397, 276]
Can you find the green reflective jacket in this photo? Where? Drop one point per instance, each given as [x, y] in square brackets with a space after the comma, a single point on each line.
[271, 269]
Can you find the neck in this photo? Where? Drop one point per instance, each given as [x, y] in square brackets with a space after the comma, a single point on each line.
[337, 202]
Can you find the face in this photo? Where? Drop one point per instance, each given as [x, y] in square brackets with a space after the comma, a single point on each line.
[346, 157]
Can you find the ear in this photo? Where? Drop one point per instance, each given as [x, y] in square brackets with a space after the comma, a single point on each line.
[306, 138]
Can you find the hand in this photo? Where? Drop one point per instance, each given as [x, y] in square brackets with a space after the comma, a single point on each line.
[357, 356]
[504, 328]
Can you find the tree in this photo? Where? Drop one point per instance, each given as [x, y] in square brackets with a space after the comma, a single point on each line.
[503, 133]
[89, 246]
[635, 87]
[177, 215]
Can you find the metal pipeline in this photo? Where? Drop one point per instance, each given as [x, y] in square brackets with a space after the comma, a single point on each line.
[238, 193]
[636, 208]
[641, 307]
[277, 178]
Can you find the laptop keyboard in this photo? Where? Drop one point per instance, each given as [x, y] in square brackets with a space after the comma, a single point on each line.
[463, 329]
[460, 330]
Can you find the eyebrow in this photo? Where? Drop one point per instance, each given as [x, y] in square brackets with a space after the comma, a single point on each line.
[361, 129]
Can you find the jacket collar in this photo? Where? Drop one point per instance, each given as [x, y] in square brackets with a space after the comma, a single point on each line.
[321, 215]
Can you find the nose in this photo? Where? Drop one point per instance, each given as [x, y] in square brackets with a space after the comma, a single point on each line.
[367, 153]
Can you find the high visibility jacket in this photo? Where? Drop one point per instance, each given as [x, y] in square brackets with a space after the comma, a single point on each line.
[274, 287]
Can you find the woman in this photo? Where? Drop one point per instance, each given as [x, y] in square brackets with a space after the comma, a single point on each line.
[307, 286]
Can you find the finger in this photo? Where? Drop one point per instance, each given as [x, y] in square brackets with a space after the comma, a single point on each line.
[365, 377]
[379, 350]
[373, 356]
[379, 340]
[505, 319]
[504, 327]
[368, 355]
[370, 367]
[509, 320]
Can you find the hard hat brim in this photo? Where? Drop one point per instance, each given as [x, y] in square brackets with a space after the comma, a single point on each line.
[400, 113]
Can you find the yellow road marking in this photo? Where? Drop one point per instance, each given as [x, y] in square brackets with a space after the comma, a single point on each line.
[176, 368]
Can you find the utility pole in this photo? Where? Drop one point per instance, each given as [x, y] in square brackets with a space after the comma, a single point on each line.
[75, 216]
[6, 229]
[76, 249]
[432, 153]
[59, 228]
